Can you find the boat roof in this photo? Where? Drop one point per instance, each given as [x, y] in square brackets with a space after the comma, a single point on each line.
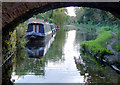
[38, 23]
[51, 23]
[35, 23]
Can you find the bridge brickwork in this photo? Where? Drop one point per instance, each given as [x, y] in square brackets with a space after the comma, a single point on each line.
[11, 11]
[14, 13]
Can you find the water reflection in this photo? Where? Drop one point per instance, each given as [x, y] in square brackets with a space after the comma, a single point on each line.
[91, 69]
[85, 36]
[55, 51]
[38, 49]
[61, 63]
[95, 72]
[34, 65]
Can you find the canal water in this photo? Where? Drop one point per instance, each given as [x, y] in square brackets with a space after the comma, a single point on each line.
[62, 62]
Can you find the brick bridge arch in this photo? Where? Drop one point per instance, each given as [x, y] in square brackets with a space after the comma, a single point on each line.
[14, 13]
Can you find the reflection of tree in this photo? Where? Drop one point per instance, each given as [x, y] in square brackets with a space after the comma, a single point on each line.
[55, 51]
[82, 36]
[96, 72]
[25, 65]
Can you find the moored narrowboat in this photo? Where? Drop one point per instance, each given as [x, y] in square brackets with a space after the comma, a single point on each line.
[57, 27]
[39, 31]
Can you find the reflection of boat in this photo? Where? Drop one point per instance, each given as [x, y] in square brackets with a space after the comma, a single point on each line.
[38, 49]
[38, 31]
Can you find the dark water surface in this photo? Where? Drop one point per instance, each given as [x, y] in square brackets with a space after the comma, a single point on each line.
[58, 65]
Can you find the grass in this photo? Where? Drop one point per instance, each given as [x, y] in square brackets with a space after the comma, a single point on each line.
[98, 47]
[116, 46]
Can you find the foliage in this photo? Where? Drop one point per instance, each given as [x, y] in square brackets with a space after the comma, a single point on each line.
[17, 39]
[57, 16]
[116, 46]
[95, 16]
[98, 46]
[21, 32]
[12, 42]
[118, 32]
[11, 45]
[106, 28]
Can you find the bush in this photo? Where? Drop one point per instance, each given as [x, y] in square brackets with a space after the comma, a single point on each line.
[106, 28]
[98, 46]
[116, 46]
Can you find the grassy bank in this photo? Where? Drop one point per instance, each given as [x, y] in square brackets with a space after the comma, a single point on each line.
[116, 46]
[98, 27]
[97, 47]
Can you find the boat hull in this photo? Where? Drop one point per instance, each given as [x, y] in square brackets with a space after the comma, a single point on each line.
[38, 37]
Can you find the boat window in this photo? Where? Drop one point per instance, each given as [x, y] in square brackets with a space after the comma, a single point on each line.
[41, 28]
[30, 28]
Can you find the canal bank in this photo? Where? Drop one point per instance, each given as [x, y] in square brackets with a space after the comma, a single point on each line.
[101, 52]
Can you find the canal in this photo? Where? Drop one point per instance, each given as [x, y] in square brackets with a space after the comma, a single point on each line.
[62, 63]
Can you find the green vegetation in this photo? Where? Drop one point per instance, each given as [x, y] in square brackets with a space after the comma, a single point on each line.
[98, 47]
[57, 16]
[116, 46]
[20, 35]
[118, 33]
[12, 42]
[101, 22]
[95, 16]
[17, 40]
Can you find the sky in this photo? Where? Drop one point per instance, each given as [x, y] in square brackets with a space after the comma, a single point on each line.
[71, 11]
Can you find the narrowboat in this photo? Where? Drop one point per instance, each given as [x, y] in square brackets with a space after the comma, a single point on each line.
[39, 31]
[57, 27]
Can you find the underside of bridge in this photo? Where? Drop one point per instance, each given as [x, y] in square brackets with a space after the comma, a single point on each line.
[14, 13]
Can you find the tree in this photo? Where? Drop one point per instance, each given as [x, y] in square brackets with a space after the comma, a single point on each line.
[95, 16]
[57, 16]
